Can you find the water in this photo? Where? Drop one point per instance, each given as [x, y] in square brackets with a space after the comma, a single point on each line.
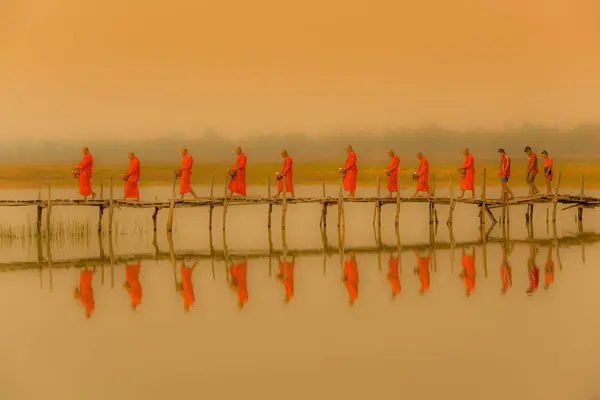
[440, 344]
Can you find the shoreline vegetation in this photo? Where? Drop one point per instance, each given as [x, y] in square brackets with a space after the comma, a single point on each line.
[34, 176]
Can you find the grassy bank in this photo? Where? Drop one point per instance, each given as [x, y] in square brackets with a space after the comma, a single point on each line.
[33, 176]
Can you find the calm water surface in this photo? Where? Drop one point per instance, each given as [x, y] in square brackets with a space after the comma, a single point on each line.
[297, 336]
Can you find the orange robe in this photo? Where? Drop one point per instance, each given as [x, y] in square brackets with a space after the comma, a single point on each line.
[187, 290]
[85, 175]
[239, 271]
[131, 184]
[238, 184]
[132, 276]
[185, 185]
[534, 277]
[506, 276]
[86, 291]
[423, 171]
[424, 273]
[548, 169]
[351, 273]
[393, 177]
[287, 174]
[468, 264]
[393, 276]
[549, 273]
[468, 180]
[351, 173]
[287, 272]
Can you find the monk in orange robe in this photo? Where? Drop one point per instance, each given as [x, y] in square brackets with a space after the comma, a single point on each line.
[83, 173]
[422, 175]
[505, 271]
[393, 277]
[132, 284]
[392, 173]
[468, 271]
[85, 292]
[350, 278]
[237, 172]
[548, 171]
[467, 171]
[533, 271]
[131, 178]
[286, 276]
[350, 172]
[532, 171]
[238, 282]
[423, 271]
[185, 174]
[186, 287]
[286, 175]
[549, 270]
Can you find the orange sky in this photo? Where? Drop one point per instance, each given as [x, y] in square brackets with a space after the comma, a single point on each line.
[145, 68]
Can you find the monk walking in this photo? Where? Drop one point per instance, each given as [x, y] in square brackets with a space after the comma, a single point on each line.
[131, 178]
[392, 173]
[286, 175]
[532, 171]
[423, 270]
[422, 175]
[350, 278]
[504, 173]
[85, 292]
[83, 173]
[186, 287]
[350, 172]
[468, 271]
[467, 171]
[238, 174]
[132, 284]
[548, 171]
[286, 276]
[393, 277]
[185, 174]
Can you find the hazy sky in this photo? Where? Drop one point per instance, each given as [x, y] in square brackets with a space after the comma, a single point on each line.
[146, 68]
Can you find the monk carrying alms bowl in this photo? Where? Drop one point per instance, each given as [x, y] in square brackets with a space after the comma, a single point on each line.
[75, 172]
[415, 176]
[232, 173]
[462, 171]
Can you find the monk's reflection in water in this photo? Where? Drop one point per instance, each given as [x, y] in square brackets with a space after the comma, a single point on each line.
[422, 270]
[350, 278]
[185, 286]
[393, 277]
[286, 277]
[238, 282]
[468, 270]
[549, 270]
[132, 284]
[533, 271]
[505, 270]
[85, 292]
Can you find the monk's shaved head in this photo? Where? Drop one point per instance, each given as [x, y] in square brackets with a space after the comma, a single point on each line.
[85, 150]
[391, 153]
[419, 154]
[466, 151]
[184, 150]
[130, 155]
[349, 148]
[238, 150]
[284, 153]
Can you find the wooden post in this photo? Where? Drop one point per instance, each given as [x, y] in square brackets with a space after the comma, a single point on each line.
[283, 208]
[324, 209]
[378, 194]
[555, 198]
[451, 208]
[38, 223]
[110, 207]
[340, 205]
[397, 222]
[483, 197]
[100, 215]
[212, 206]
[270, 201]
[378, 206]
[225, 206]
[171, 205]
[101, 190]
[154, 216]
[49, 211]
[580, 209]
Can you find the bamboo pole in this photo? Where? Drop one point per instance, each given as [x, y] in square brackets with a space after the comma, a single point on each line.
[397, 221]
[283, 208]
[225, 201]
[378, 205]
[378, 194]
[324, 209]
[555, 201]
[172, 255]
[49, 208]
[110, 207]
[211, 208]
[38, 222]
[111, 252]
[451, 208]
[581, 194]
[483, 197]
[154, 216]
[340, 205]
[171, 206]
[270, 201]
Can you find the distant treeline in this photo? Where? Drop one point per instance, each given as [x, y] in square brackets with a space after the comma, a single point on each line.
[439, 144]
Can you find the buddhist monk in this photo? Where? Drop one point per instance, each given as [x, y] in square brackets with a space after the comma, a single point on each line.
[422, 175]
[468, 271]
[532, 171]
[548, 171]
[467, 171]
[504, 173]
[185, 174]
[423, 270]
[533, 271]
[350, 172]
[392, 173]
[83, 173]
[286, 276]
[393, 277]
[237, 172]
[239, 283]
[85, 292]
[132, 284]
[350, 278]
[505, 271]
[549, 270]
[131, 178]
[185, 287]
[286, 175]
